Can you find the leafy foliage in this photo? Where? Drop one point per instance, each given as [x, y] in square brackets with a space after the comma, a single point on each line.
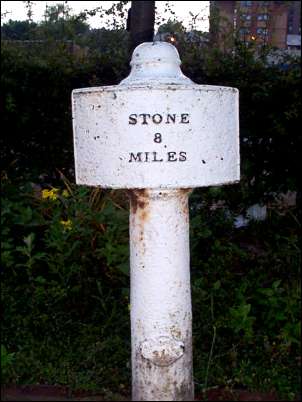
[245, 299]
[64, 282]
[66, 292]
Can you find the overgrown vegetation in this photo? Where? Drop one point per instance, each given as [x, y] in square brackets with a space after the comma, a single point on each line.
[65, 268]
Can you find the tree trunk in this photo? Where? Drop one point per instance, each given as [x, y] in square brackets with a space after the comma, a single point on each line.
[142, 16]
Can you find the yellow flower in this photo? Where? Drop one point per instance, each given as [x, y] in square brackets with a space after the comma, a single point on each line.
[45, 194]
[51, 194]
[65, 193]
[67, 224]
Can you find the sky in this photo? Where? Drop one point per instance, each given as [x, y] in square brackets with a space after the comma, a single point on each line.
[16, 10]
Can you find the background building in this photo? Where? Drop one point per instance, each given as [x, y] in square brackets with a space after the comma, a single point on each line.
[275, 23]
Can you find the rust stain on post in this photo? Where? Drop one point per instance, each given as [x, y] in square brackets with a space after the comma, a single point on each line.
[139, 203]
[138, 199]
[185, 192]
[139, 206]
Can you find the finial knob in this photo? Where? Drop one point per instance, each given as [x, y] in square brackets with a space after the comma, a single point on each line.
[155, 62]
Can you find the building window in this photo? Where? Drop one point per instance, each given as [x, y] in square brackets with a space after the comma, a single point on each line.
[246, 17]
[244, 31]
[290, 22]
[262, 17]
[245, 3]
[261, 31]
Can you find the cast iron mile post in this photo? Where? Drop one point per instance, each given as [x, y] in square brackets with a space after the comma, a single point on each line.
[158, 135]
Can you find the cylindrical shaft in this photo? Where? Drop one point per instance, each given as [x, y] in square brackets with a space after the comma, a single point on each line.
[161, 315]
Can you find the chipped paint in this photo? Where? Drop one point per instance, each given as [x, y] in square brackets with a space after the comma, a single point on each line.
[162, 351]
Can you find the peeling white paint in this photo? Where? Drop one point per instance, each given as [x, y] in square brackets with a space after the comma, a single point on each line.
[162, 351]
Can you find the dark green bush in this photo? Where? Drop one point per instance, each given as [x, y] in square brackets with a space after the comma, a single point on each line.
[66, 292]
[36, 101]
[246, 302]
[65, 289]
[65, 248]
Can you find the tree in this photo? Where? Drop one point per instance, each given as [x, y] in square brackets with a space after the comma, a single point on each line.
[18, 30]
[28, 5]
[142, 16]
[60, 24]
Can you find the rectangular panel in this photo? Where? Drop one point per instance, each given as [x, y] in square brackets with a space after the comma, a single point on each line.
[164, 137]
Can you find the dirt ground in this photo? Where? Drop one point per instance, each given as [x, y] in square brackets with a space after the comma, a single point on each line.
[57, 393]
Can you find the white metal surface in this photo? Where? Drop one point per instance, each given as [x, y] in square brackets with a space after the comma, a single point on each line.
[156, 129]
[160, 296]
[158, 134]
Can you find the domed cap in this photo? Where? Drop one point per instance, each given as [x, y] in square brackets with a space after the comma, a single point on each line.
[152, 52]
[155, 62]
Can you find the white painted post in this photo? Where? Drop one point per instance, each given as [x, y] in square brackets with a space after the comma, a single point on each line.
[161, 317]
[158, 135]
